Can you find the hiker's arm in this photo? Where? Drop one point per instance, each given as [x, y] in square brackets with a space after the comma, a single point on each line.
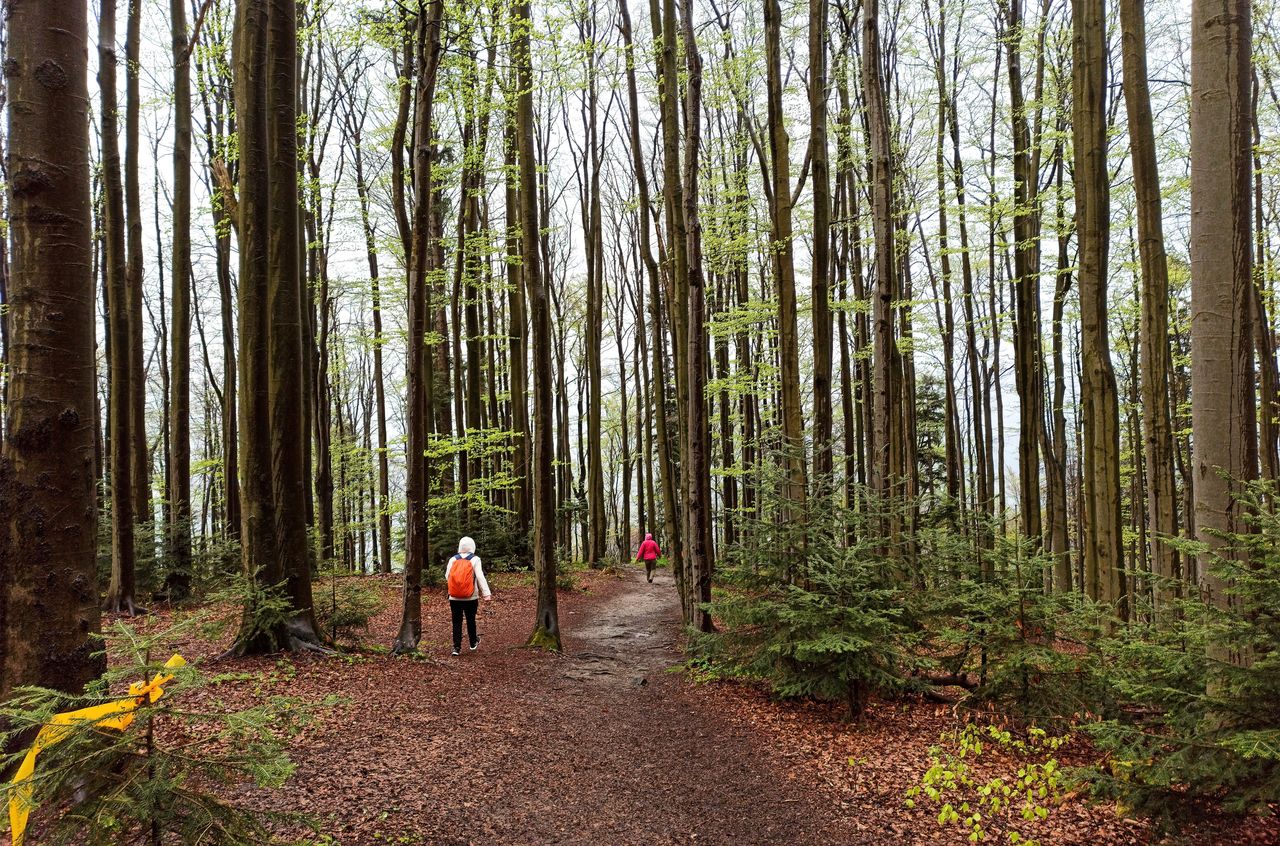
[480, 579]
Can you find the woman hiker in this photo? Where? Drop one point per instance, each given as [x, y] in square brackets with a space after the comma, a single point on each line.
[650, 553]
[465, 577]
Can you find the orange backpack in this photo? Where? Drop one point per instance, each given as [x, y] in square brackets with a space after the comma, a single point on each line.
[462, 580]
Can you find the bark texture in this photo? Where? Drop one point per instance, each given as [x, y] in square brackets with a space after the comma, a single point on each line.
[48, 577]
[1223, 403]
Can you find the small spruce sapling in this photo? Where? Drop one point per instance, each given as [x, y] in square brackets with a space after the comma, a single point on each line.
[170, 775]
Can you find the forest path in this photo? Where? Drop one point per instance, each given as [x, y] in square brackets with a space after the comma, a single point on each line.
[605, 747]
[597, 745]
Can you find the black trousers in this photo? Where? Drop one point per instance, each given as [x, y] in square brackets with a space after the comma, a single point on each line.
[459, 607]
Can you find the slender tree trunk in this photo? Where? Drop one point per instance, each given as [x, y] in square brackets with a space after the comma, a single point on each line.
[820, 271]
[663, 24]
[1157, 362]
[179, 486]
[518, 332]
[139, 456]
[699, 495]
[382, 504]
[954, 443]
[546, 628]
[124, 513]
[1026, 287]
[1056, 455]
[886, 434]
[1103, 540]
[666, 472]
[421, 259]
[793, 451]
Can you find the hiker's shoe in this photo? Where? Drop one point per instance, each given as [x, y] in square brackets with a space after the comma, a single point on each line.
[455, 653]
[475, 645]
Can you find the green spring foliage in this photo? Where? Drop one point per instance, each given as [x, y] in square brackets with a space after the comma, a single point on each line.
[1183, 701]
[1028, 787]
[1198, 687]
[824, 619]
[174, 775]
[345, 604]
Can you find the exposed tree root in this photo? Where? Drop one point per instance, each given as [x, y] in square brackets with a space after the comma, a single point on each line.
[294, 636]
[123, 605]
[543, 638]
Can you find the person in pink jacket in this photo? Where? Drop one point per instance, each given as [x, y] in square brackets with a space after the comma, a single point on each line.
[649, 553]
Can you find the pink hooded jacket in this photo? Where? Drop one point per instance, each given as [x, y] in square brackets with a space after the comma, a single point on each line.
[649, 550]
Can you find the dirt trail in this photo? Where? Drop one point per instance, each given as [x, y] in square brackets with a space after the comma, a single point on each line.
[628, 638]
[598, 745]
[610, 750]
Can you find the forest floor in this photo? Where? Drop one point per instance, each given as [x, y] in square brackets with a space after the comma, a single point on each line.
[605, 744]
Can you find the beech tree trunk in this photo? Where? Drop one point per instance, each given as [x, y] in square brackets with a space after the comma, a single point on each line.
[421, 258]
[820, 271]
[179, 470]
[793, 449]
[139, 457]
[48, 576]
[546, 627]
[1156, 361]
[699, 459]
[1102, 545]
[1026, 287]
[120, 417]
[1223, 403]
[886, 406]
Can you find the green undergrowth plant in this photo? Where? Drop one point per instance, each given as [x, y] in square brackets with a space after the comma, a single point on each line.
[178, 773]
[814, 608]
[255, 609]
[1199, 686]
[988, 622]
[345, 604]
[1022, 784]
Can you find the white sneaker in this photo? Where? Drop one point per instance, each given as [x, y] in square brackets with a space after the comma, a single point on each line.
[455, 653]
[475, 645]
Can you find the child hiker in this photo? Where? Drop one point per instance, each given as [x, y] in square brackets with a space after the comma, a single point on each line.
[649, 552]
[467, 584]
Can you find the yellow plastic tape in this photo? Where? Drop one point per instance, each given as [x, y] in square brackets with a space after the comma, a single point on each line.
[116, 715]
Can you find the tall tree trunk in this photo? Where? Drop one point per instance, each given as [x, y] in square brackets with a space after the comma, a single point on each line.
[179, 460]
[1026, 287]
[662, 15]
[1103, 538]
[820, 271]
[1157, 362]
[546, 628]
[518, 332]
[286, 305]
[1223, 404]
[382, 504]
[48, 576]
[124, 504]
[666, 473]
[793, 451]
[699, 460]
[421, 259]
[1056, 454]
[954, 443]
[139, 457]
[886, 406]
